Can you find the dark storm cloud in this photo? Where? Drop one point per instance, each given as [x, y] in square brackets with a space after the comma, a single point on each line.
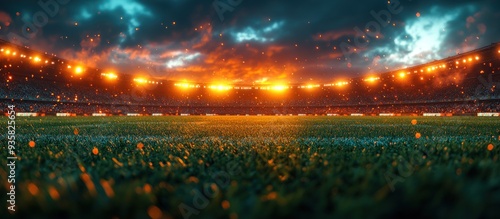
[292, 40]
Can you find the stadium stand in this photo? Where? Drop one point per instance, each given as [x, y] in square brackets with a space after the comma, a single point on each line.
[465, 84]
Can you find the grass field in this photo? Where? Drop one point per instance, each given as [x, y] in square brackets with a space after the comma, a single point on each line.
[255, 167]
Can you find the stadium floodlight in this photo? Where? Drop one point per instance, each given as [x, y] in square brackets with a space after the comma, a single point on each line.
[341, 83]
[7, 52]
[185, 85]
[309, 86]
[402, 75]
[109, 75]
[220, 87]
[371, 79]
[477, 58]
[78, 70]
[279, 87]
[140, 80]
[37, 59]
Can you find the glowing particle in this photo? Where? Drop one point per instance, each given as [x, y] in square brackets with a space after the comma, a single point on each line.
[88, 183]
[31, 144]
[418, 14]
[95, 151]
[272, 196]
[117, 162]
[147, 188]
[53, 193]
[490, 147]
[225, 204]
[75, 131]
[107, 188]
[154, 212]
[414, 122]
[33, 189]
[418, 135]
[140, 145]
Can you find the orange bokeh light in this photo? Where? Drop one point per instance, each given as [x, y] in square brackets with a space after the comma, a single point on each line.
[33, 189]
[140, 146]
[418, 135]
[225, 204]
[155, 212]
[413, 121]
[490, 147]
[54, 194]
[95, 151]
[31, 144]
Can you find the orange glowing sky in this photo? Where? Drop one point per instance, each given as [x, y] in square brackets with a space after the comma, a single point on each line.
[256, 41]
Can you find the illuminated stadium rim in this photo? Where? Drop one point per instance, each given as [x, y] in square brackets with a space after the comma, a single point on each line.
[427, 67]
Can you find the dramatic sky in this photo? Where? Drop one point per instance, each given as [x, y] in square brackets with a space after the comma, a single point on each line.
[251, 41]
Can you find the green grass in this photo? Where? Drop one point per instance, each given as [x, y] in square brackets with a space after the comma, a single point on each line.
[255, 167]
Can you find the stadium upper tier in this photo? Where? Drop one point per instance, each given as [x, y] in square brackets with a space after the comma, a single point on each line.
[37, 79]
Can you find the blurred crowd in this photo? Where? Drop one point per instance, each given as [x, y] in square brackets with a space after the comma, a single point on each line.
[456, 86]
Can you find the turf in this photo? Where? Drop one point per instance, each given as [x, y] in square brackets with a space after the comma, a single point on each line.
[255, 167]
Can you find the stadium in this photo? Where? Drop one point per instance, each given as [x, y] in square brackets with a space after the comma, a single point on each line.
[465, 84]
[249, 109]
